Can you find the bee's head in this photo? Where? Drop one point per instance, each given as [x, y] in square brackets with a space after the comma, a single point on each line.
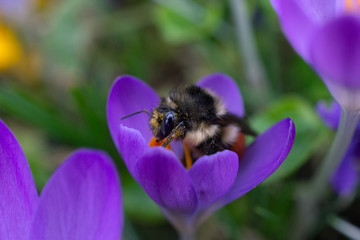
[162, 122]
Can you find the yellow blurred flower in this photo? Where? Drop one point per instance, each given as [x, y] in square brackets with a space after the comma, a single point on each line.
[42, 5]
[10, 48]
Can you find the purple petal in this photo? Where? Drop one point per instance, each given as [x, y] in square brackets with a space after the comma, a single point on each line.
[345, 178]
[329, 114]
[178, 148]
[262, 158]
[132, 146]
[297, 25]
[9, 5]
[226, 88]
[319, 10]
[128, 95]
[82, 200]
[335, 51]
[213, 176]
[166, 181]
[18, 196]
[15, 9]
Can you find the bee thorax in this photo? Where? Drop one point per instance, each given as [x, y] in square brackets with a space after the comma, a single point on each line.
[169, 102]
[220, 108]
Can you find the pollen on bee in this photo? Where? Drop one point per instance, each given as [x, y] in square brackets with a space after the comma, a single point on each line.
[153, 122]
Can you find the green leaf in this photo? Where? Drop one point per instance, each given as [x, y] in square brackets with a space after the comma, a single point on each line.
[69, 33]
[27, 108]
[182, 21]
[139, 206]
[310, 131]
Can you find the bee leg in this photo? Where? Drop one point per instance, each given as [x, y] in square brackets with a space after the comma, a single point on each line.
[175, 133]
[188, 159]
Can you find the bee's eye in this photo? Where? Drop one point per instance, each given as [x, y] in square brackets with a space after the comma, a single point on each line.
[168, 124]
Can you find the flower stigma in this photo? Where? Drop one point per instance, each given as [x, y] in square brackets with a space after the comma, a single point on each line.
[188, 160]
[352, 5]
[238, 147]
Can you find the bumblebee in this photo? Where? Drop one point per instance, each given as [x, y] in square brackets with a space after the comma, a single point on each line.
[198, 117]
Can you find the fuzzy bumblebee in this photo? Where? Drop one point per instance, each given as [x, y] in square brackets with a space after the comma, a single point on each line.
[198, 117]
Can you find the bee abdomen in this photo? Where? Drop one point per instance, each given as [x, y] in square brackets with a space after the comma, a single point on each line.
[223, 139]
[229, 134]
[200, 134]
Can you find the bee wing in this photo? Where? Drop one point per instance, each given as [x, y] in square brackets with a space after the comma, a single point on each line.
[229, 118]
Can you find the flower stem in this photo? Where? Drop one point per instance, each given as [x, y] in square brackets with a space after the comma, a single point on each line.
[344, 227]
[311, 197]
[245, 35]
[187, 236]
[183, 226]
[347, 126]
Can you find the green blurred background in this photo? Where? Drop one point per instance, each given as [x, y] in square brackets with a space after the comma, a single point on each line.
[58, 59]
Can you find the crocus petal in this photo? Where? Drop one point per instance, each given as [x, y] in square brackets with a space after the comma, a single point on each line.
[9, 5]
[319, 10]
[345, 178]
[128, 95]
[262, 158]
[166, 181]
[297, 25]
[15, 9]
[329, 114]
[131, 146]
[213, 176]
[348, 98]
[82, 200]
[226, 88]
[18, 196]
[335, 51]
[177, 147]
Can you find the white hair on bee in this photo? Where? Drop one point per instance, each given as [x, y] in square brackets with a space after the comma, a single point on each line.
[230, 134]
[171, 103]
[219, 105]
[199, 135]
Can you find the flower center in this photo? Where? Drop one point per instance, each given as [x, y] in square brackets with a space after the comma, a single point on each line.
[352, 5]
[188, 161]
[238, 147]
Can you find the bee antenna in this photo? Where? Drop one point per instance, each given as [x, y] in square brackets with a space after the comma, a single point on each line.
[132, 114]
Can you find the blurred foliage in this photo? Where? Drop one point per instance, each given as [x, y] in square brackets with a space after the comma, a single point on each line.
[59, 58]
[186, 21]
[310, 131]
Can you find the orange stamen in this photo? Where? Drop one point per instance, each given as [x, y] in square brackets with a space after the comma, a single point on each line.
[239, 145]
[188, 160]
[349, 5]
[155, 143]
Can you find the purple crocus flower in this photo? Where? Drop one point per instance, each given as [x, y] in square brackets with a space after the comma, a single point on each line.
[16, 10]
[188, 196]
[82, 199]
[346, 177]
[326, 34]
